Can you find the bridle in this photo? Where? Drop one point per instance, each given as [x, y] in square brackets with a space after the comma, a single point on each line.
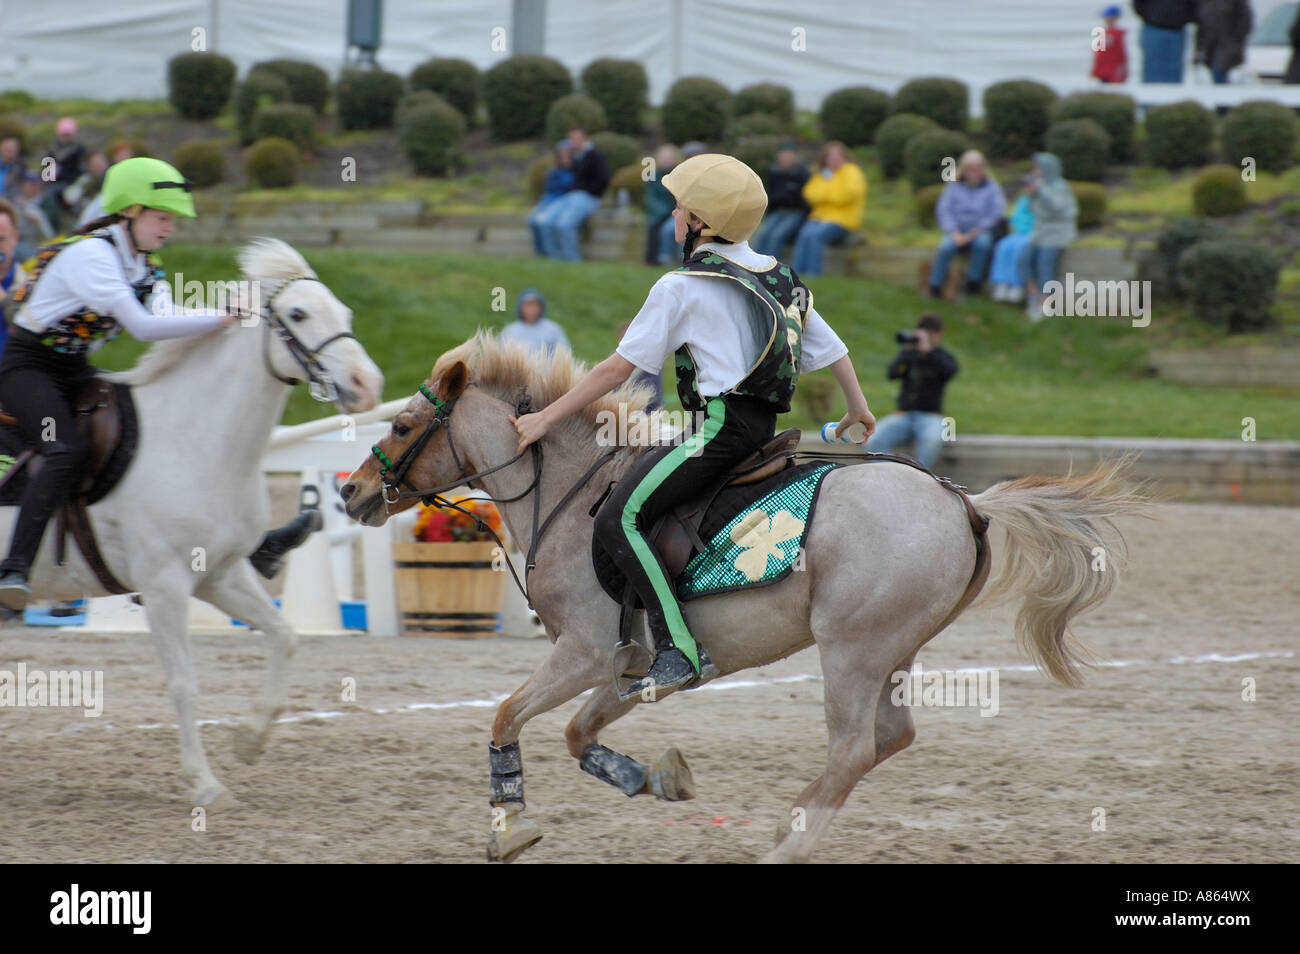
[322, 385]
[393, 476]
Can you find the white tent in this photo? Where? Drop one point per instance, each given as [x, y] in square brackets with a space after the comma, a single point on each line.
[94, 49]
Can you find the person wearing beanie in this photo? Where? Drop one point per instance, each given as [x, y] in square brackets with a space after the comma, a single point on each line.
[531, 327]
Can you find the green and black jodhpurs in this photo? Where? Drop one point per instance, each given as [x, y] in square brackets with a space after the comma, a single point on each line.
[729, 429]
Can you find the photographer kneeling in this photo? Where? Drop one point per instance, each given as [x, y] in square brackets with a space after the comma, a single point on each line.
[925, 369]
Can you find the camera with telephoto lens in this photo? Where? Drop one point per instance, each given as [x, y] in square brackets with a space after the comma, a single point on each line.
[907, 337]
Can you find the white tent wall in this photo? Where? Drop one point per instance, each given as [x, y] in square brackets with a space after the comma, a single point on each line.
[94, 49]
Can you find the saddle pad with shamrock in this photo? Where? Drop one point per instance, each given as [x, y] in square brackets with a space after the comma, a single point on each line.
[753, 532]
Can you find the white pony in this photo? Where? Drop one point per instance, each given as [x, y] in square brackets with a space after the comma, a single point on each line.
[194, 505]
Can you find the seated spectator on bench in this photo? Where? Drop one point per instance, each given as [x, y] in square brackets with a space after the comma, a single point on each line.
[531, 327]
[925, 370]
[78, 194]
[34, 229]
[560, 221]
[92, 209]
[1005, 276]
[69, 159]
[660, 245]
[1055, 210]
[786, 208]
[837, 193]
[968, 212]
[559, 180]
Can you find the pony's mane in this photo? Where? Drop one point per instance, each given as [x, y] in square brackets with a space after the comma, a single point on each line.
[504, 368]
[263, 259]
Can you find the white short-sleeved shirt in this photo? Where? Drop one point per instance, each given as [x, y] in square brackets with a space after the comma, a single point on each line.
[683, 309]
[95, 275]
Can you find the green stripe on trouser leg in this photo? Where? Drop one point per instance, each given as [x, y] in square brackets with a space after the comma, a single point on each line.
[681, 635]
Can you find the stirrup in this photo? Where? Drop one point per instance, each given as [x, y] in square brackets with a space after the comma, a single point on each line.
[623, 681]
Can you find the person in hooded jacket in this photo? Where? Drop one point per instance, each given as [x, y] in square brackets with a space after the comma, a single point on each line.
[1056, 212]
[531, 327]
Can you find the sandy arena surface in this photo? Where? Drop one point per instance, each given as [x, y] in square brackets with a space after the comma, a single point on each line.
[1185, 770]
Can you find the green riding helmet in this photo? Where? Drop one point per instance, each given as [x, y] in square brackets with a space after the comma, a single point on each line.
[149, 182]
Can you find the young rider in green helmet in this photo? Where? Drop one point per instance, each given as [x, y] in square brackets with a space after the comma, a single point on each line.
[740, 344]
[82, 292]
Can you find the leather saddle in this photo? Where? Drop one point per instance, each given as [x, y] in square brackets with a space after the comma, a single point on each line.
[106, 421]
[676, 534]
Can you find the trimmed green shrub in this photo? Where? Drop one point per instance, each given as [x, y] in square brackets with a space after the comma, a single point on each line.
[1016, 116]
[629, 178]
[12, 99]
[519, 93]
[430, 136]
[309, 85]
[853, 114]
[926, 199]
[576, 109]
[199, 84]
[619, 150]
[201, 161]
[1160, 266]
[1231, 284]
[1219, 191]
[767, 99]
[415, 98]
[271, 163]
[1179, 135]
[1082, 146]
[696, 107]
[1091, 199]
[892, 137]
[925, 154]
[1114, 112]
[755, 124]
[757, 152]
[259, 88]
[946, 101]
[1260, 130]
[456, 81]
[621, 88]
[292, 121]
[367, 99]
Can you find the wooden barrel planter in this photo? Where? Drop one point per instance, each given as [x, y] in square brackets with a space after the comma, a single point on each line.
[448, 589]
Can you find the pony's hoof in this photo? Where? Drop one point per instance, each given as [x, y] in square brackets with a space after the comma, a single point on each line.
[509, 843]
[249, 743]
[670, 777]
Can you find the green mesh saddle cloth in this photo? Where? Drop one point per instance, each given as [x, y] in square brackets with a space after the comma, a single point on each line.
[753, 535]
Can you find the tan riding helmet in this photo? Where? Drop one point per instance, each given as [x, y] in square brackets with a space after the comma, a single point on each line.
[723, 191]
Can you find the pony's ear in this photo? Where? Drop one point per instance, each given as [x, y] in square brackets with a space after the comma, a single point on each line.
[452, 383]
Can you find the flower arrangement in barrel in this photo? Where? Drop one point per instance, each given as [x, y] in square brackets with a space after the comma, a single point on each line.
[447, 525]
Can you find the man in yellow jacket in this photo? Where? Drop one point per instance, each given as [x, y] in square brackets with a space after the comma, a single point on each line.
[837, 193]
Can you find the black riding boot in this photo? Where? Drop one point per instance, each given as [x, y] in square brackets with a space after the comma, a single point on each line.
[268, 558]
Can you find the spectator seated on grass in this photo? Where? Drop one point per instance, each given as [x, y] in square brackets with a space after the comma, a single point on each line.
[1005, 276]
[837, 193]
[924, 369]
[34, 229]
[786, 208]
[1056, 212]
[561, 220]
[69, 159]
[531, 327]
[968, 212]
[660, 245]
[559, 180]
[11, 167]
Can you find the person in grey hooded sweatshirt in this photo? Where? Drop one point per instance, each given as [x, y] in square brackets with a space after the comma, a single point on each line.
[531, 327]
[1055, 210]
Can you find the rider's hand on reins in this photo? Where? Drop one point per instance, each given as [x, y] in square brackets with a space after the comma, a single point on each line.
[531, 427]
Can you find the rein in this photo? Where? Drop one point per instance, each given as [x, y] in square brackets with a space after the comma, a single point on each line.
[323, 388]
[393, 475]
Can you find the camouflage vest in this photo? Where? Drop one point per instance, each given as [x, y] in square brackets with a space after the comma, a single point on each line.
[84, 331]
[780, 305]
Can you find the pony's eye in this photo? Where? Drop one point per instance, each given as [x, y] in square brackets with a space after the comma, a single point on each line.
[297, 315]
[400, 430]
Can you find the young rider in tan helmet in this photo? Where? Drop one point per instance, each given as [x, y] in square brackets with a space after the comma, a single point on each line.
[740, 344]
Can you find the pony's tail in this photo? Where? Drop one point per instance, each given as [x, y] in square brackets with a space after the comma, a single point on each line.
[1063, 555]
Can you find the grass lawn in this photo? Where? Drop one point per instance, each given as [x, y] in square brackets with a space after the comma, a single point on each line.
[1063, 376]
